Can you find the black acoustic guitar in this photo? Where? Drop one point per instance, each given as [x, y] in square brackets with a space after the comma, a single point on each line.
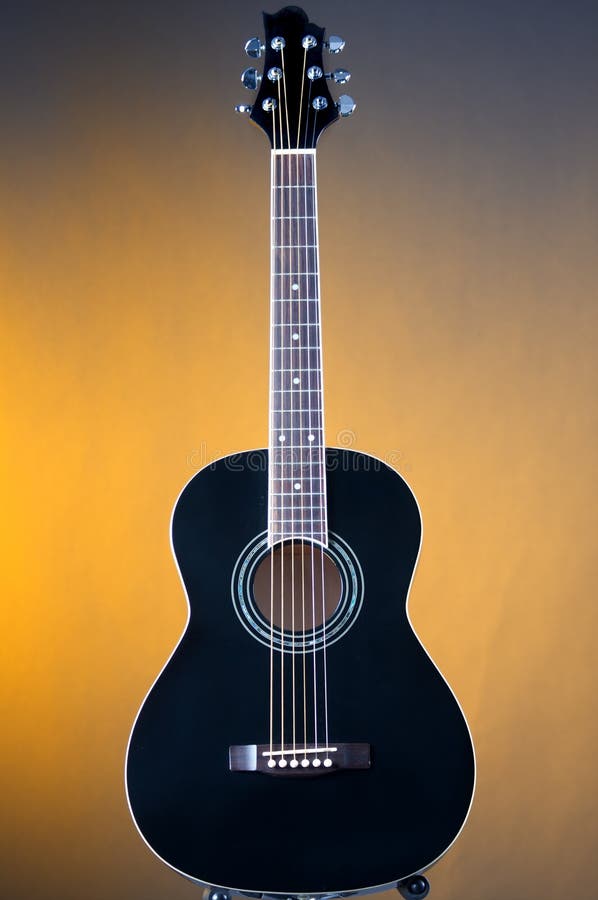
[299, 740]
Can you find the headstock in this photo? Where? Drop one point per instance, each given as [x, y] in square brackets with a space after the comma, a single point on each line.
[293, 103]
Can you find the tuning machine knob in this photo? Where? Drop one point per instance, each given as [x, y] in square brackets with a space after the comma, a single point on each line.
[345, 105]
[250, 78]
[243, 108]
[254, 47]
[339, 76]
[334, 44]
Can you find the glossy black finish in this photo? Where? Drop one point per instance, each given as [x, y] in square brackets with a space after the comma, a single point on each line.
[346, 832]
[295, 124]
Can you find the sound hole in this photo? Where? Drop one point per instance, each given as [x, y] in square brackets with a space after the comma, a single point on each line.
[287, 587]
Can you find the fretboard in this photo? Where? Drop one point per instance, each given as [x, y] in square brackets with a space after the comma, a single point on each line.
[297, 483]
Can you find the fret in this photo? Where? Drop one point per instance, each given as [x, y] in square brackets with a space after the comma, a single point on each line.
[311, 411]
[313, 397]
[297, 299]
[299, 412]
[281, 496]
[296, 346]
[283, 464]
[294, 423]
[300, 325]
[316, 517]
[285, 461]
[287, 315]
[287, 360]
[317, 445]
[296, 372]
[312, 472]
[302, 465]
[303, 520]
[296, 389]
[303, 498]
[297, 495]
[289, 299]
[289, 525]
[294, 246]
[312, 352]
[296, 369]
[308, 498]
[285, 446]
[284, 344]
[311, 498]
[286, 187]
[295, 433]
[283, 512]
[307, 464]
[292, 479]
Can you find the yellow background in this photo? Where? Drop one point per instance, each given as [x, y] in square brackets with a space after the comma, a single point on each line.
[458, 229]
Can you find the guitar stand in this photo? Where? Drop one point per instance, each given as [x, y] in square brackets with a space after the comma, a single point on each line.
[416, 887]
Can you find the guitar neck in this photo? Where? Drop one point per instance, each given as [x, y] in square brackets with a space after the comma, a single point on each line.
[297, 484]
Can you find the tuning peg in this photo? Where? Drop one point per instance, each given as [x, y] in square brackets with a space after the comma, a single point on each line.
[254, 48]
[339, 76]
[345, 105]
[334, 44]
[243, 108]
[250, 78]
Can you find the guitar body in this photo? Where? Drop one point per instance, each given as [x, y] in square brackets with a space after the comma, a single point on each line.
[266, 833]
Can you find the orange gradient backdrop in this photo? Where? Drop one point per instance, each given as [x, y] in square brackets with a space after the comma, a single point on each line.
[458, 233]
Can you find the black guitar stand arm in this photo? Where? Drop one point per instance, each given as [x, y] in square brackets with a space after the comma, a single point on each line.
[416, 887]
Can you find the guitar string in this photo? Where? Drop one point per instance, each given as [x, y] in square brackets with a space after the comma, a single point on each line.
[312, 555]
[322, 469]
[273, 203]
[304, 289]
[311, 468]
[320, 436]
[286, 158]
[282, 466]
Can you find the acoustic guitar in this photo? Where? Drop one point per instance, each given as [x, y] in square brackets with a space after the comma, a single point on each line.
[299, 741]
